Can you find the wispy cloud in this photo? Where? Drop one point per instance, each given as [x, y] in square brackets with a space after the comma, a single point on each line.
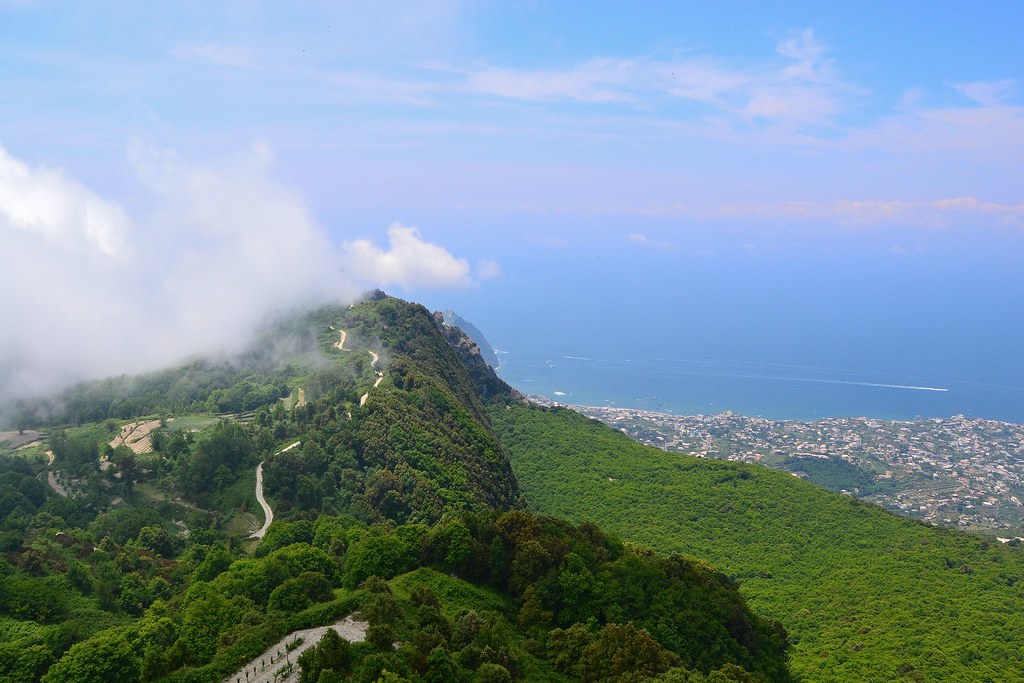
[989, 129]
[942, 212]
[487, 269]
[645, 241]
[219, 249]
[214, 54]
[607, 80]
[368, 93]
[936, 212]
[803, 88]
[798, 87]
[987, 93]
[551, 241]
[808, 91]
[599, 80]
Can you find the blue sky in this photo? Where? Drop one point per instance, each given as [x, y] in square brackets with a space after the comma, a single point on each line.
[695, 110]
[524, 140]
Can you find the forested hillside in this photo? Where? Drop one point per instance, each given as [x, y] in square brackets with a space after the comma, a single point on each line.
[128, 551]
[864, 594]
[418, 445]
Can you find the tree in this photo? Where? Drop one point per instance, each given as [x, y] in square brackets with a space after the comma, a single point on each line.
[382, 609]
[128, 467]
[217, 560]
[333, 653]
[34, 599]
[382, 637]
[295, 595]
[72, 452]
[157, 437]
[20, 664]
[440, 667]
[134, 595]
[104, 658]
[377, 555]
[452, 544]
[565, 648]
[621, 649]
[229, 446]
[204, 620]
[23, 416]
[156, 539]
[489, 672]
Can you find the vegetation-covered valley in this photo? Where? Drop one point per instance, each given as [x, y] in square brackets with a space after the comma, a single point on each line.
[132, 560]
[864, 594]
[477, 537]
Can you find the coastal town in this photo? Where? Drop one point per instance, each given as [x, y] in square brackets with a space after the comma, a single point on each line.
[956, 471]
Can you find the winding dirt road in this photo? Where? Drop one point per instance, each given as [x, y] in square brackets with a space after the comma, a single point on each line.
[268, 514]
[51, 477]
[380, 376]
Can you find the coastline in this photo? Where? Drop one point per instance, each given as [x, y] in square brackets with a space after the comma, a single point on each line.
[957, 471]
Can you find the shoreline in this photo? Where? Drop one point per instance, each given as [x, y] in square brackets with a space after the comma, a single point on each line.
[579, 407]
[955, 471]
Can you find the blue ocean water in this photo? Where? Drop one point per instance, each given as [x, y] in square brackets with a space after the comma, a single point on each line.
[847, 326]
[689, 386]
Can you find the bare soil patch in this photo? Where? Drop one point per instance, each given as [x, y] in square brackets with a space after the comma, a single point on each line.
[16, 440]
[136, 436]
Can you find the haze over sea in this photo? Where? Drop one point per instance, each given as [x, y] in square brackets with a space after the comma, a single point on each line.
[794, 210]
[846, 327]
[703, 386]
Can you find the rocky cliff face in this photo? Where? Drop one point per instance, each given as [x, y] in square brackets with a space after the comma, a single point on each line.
[488, 384]
[452, 319]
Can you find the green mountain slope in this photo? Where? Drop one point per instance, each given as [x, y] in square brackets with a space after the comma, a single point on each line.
[418, 444]
[865, 595]
[391, 495]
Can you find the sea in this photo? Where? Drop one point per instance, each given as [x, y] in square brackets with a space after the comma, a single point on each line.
[701, 386]
[869, 323]
[796, 362]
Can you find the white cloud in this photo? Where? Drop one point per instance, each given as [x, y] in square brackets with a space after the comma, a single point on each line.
[90, 291]
[408, 262]
[990, 131]
[599, 80]
[551, 241]
[871, 211]
[487, 269]
[807, 52]
[61, 210]
[805, 92]
[987, 93]
[943, 212]
[214, 54]
[804, 89]
[606, 80]
[644, 240]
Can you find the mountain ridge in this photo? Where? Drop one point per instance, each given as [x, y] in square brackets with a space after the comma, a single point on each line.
[384, 474]
[865, 594]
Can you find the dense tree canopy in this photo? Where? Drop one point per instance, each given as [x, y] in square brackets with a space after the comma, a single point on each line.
[864, 594]
[393, 494]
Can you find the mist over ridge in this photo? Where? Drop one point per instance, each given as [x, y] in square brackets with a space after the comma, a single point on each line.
[92, 289]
